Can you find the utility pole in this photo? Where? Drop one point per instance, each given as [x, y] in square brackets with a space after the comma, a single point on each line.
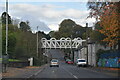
[37, 41]
[6, 27]
[0, 42]
[72, 50]
[87, 42]
[5, 57]
[91, 56]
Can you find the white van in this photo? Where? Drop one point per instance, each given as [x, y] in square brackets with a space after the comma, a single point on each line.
[81, 62]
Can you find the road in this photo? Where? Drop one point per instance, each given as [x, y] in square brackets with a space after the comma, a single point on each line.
[67, 70]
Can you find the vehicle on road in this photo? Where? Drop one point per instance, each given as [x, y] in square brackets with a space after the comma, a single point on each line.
[67, 60]
[54, 63]
[81, 62]
[70, 61]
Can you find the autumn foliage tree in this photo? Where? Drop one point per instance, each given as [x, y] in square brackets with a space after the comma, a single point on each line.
[109, 15]
[109, 21]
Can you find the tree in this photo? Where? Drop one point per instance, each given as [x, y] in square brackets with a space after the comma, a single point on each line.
[4, 18]
[21, 41]
[66, 23]
[97, 8]
[51, 33]
[110, 25]
[66, 28]
[11, 40]
[11, 35]
[55, 34]
[96, 36]
[24, 26]
[108, 14]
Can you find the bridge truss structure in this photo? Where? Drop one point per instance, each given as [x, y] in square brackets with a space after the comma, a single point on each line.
[62, 43]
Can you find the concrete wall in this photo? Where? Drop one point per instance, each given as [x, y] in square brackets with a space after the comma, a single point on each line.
[80, 54]
[92, 50]
[91, 55]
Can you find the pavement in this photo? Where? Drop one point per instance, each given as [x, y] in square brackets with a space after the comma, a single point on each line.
[110, 71]
[25, 72]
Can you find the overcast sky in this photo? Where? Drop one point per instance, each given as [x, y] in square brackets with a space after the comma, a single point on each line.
[48, 15]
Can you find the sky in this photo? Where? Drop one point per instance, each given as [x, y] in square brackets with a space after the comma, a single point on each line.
[48, 15]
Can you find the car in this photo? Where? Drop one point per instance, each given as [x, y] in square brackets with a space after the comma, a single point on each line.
[81, 62]
[67, 60]
[70, 62]
[54, 63]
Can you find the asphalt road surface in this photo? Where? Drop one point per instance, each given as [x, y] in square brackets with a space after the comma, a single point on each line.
[68, 71]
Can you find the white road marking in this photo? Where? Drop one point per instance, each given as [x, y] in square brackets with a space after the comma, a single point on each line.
[53, 71]
[35, 73]
[75, 77]
[71, 73]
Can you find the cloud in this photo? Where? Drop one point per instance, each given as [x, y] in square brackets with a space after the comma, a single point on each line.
[2, 8]
[48, 16]
[54, 27]
[47, 0]
[83, 21]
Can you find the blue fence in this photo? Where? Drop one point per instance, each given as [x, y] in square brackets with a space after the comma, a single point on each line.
[109, 60]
